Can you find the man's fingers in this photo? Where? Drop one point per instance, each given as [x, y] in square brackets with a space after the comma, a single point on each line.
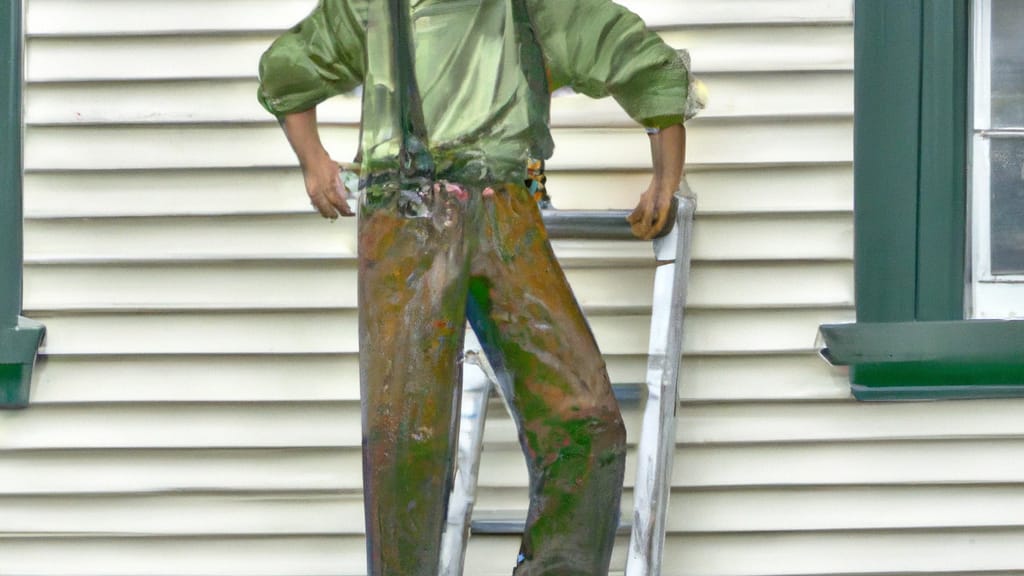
[661, 216]
[640, 219]
[634, 216]
[324, 206]
[339, 203]
[641, 225]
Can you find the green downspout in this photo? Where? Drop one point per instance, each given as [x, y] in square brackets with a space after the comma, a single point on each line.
[20, 338]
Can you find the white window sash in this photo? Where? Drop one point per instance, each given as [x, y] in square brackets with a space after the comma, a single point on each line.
[991, 296]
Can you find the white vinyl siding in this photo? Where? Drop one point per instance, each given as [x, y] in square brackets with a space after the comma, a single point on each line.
[196, 408]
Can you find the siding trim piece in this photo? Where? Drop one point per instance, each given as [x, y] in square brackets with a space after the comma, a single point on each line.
[19, 338]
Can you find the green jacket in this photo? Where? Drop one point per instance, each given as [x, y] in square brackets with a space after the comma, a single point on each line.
[475, 95]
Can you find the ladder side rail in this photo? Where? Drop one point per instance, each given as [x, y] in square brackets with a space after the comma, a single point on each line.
[478, 380]
[656, 449]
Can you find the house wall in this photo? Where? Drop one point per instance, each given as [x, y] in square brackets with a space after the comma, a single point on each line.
[196, 407]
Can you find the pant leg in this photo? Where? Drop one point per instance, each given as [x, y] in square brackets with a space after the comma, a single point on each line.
[412, 290]
[570, 427]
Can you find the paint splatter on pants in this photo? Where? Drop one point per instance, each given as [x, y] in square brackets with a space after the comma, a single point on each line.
[428, 261]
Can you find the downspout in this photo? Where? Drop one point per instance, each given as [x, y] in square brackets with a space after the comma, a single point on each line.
[20, 338]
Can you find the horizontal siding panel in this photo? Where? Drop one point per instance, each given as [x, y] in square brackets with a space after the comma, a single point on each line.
[177, 470]
[750, 423]
[742, 48]
[228, 378]
[256, 285]
[789, 189]
[734, 95]
[141, 239]
[824, 422]
[755, 510]
[934, 552]
[769, 237]
[905, 463]
[714, 49]
[799, 141]
[847, 508]
[334, 377]
[794, 189]
[774, 94]
[313, 555]
[323, 424]
[782, 237]
[110, 17]
[762, 377]
[208, 425]
[974, 461]
[312, 284]
[744, 466]
[762, 285]
[165, 192]
[206, 470]
[702, 12]
[317, 332]
[333, 331]
[209, 286]
[144, 57]
[309, 555]
[758, 510]
[207, 378]
[861, 553]
[169, 425]
[183, 514]
[705, 511]
[182, 101]
[730, 511]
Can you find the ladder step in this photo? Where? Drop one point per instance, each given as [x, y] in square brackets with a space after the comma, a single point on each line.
[504, 523]
[630, 393]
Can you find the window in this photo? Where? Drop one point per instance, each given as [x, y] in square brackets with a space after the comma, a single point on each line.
[916, 336]
[997, 180]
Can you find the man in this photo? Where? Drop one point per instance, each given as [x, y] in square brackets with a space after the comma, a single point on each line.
[456, 97]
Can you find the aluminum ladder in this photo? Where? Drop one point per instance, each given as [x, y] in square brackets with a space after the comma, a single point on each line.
[657, 439]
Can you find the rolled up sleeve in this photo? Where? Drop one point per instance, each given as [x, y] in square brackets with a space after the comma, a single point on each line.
[600, 48]
[320, 57]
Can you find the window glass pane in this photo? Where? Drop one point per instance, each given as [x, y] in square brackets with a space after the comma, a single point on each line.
[1007, 63]
[1007, 205]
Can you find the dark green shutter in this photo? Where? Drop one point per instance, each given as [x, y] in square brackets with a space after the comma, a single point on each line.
[19, 338]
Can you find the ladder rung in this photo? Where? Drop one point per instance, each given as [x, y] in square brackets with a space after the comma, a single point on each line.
[596, 224]
[631, 393]
[627, 393]
[506, 523]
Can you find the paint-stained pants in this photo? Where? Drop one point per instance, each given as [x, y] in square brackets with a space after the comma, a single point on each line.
[427, 262]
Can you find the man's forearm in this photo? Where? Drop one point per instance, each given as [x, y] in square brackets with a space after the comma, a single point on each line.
[301, 130]
[668, 153]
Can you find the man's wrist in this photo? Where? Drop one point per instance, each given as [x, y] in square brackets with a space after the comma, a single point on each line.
[313, 158]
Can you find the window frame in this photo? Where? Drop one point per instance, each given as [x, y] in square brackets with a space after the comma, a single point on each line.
[911, 339]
